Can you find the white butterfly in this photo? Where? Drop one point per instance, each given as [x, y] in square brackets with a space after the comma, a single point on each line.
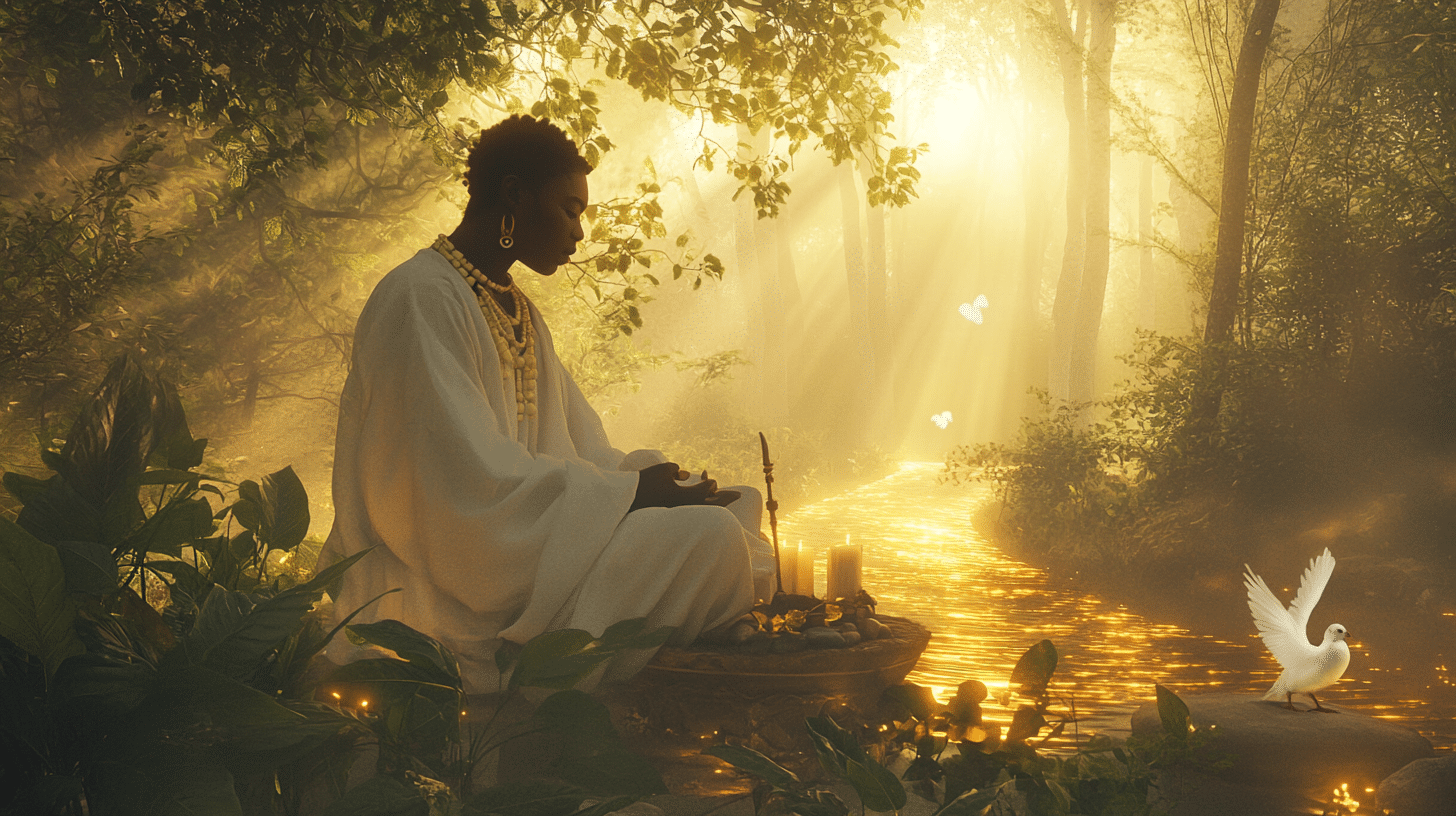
[972, 311]
[941, 419]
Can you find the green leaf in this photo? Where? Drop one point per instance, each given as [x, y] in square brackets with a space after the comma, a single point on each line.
[175, 785]
[409, 644]
[578, 717]
[275, 510]
[35, 612]
[90, 567]
[23, 487]
[542, 798]
[878, 789]
[971, 803]
[752, 762]
[834, 745]
[912, 699]
[116, 431]
[380, 796]
[179, 522]
[234, 631]
[1034, 670]
[1026, 723]
[1173, 712]
[546, 661]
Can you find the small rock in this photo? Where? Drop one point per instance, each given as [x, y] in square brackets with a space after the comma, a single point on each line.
[872, 629]
[851, 637]
[822, 637]
[1426, 787]
[740, 632]
[843, 627]
[787, 642]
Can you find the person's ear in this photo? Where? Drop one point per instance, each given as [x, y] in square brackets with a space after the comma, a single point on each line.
[512, 193]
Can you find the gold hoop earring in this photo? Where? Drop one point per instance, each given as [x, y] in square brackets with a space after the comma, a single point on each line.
[506, 229]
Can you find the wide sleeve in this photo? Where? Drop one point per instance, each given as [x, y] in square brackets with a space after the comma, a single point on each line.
[445, 485]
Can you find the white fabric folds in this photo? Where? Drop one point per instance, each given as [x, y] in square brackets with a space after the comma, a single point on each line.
[491, 535]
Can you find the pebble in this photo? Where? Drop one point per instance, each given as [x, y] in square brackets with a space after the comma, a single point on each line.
[741, 632]
[787, 642]
[822, 637]
[872, 629]
[851, 637]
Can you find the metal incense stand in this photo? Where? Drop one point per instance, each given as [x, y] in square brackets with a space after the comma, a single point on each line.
[773, 520]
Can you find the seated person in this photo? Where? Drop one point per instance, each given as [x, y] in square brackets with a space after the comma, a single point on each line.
[470, 460]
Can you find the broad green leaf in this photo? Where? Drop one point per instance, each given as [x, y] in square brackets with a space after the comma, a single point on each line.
[577, 716]
[1034, 670]
[1173, 712]
[912, 699]
[276, 509]
[90, 567]
[60, 514]
[878, 789]
[234, 631]
[35, 612]
[380, 796]
[116, 432]
[23, 487]
[229, 703]
[1026, 723]
[542, 798]
[178, 523]
[752, 762]
[971, 803]
[543, 661]
[834, 745]
[409, 644]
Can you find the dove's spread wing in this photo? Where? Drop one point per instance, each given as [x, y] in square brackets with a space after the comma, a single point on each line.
[1311, 587]
[1284, 637]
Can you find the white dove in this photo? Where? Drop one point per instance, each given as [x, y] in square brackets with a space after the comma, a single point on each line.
[1307, 668]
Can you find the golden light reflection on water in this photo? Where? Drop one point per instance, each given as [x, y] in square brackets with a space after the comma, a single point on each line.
[924, 560]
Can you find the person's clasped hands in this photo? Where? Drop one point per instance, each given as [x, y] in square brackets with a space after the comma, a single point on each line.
[658, 486]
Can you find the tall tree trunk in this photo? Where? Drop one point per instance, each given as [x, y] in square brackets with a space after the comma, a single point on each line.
[1092, 294]
[1238, 145]
[1147, 274]
[1074, 248]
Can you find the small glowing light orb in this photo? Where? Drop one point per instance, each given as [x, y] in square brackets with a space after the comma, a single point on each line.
[972, 311]
[941, 420]
[338, 696]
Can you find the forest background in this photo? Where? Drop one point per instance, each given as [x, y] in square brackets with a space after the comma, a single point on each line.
[793, 200]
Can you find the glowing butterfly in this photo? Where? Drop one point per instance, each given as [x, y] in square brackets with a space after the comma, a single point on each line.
[941, 419]
[972, 311]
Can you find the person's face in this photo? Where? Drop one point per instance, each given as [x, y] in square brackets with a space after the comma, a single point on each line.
[548, 222]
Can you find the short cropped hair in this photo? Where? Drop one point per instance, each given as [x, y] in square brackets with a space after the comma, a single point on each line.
[534, 150]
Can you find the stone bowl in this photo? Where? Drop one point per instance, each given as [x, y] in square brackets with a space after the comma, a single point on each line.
[860, 672]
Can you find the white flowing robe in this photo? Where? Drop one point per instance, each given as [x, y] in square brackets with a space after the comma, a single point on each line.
[491, 535]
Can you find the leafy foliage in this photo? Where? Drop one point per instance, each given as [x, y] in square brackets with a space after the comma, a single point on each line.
[963, 765]
[212, 704]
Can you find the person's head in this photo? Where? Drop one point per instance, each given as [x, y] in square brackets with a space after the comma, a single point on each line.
[526, 174]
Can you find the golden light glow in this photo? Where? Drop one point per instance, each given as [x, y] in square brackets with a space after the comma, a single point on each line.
[338, 696]
[924, 559]
[363, 703]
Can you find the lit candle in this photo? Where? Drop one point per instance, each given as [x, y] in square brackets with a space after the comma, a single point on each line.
[789, 568]
[804, 581]
[844, 570]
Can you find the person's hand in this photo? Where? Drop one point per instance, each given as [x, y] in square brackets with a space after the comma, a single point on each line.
[657, 486]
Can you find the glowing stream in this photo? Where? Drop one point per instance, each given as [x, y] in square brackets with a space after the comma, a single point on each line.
[924, 560]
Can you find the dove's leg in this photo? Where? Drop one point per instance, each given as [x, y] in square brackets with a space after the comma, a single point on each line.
[1318, 707]
[1289, 701]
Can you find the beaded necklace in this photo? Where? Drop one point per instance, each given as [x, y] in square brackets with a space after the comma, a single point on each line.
[517, 356]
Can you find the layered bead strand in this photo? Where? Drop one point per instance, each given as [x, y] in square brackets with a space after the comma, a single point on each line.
[517, 356]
